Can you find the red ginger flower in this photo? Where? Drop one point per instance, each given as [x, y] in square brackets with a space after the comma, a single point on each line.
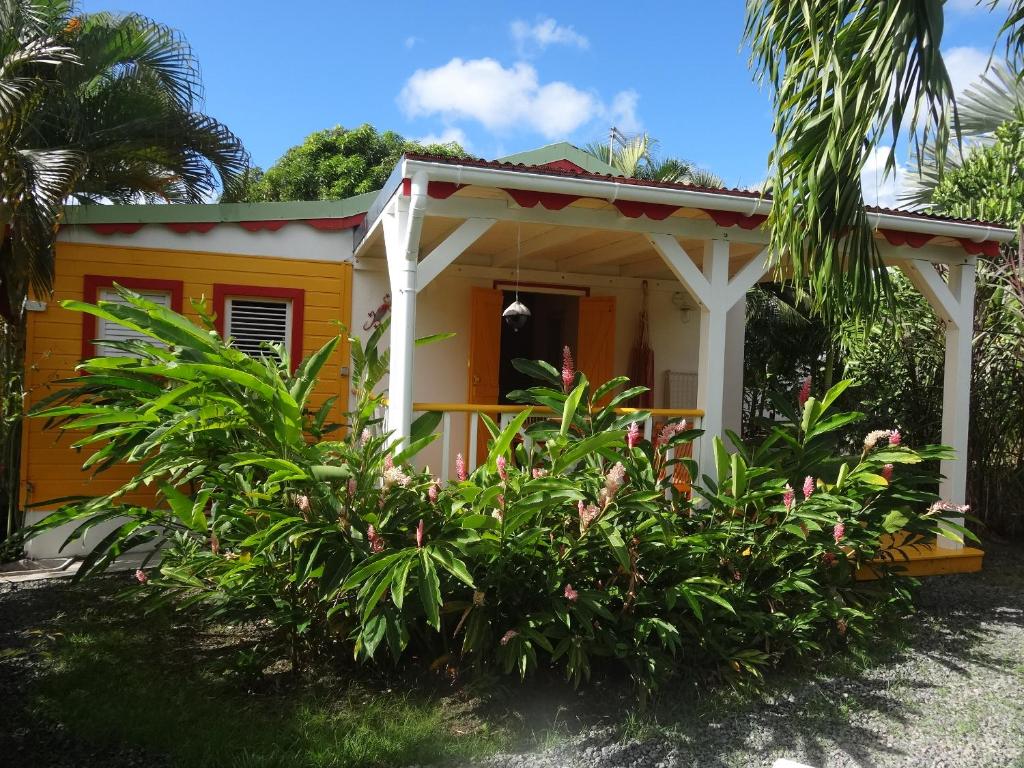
[376, 542]
[805, 392]
[419, 535]
[432, 493]
[140, 576]
[633, 435]
[895, 438]
[507, 637]
[808, 487]
[571, 594]
[502, 463]
[838, 531]
[460, 468]
[788, 497]
[887, 472]
[568, 370]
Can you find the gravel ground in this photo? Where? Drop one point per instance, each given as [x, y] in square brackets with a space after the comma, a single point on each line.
[951, 695]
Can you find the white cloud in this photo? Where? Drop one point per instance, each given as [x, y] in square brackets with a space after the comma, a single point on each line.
[965, 65]
[622, 113]
[503, 99]
[410, 41]
[881, 189]
[545, 32]
[447, 136]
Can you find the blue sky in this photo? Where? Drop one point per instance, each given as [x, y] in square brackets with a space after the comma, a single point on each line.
[501, 78]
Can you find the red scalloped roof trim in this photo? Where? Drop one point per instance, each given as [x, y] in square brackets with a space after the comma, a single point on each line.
[988, 248]
[184, 227]
[735, 218]
[271, 225]
[330, 225]
[553, 201]
[115, 229]
[898, 237]
[563, 165]
[654, 211]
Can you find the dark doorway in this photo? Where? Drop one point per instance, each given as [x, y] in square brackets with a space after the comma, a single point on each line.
[553, 324]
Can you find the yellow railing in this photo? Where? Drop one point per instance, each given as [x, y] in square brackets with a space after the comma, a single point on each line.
[507, 412]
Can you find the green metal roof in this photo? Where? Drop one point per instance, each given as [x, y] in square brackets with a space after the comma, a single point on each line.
[562, 150]
[313, 209]
[226, 212]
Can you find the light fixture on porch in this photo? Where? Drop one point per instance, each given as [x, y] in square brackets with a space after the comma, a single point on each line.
[516, 314]
[680, 302]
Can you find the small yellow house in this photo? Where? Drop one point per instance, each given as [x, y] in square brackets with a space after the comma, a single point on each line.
[446, 246]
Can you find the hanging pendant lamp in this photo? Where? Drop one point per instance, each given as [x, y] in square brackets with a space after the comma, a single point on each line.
[516, 314]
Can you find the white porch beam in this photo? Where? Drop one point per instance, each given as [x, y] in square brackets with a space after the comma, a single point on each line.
[748, 275]
[403, 223]
[450, 249]
[712, 357]
[953, 302]
[684, 268]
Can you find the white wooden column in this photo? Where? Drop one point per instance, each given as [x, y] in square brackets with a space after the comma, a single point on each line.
[953, 301]
[735, 336]
[402, 223]
[717, 295]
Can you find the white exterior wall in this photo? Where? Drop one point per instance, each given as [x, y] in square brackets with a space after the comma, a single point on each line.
[440, 369]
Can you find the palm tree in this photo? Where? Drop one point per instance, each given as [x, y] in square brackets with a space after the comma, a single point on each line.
[994, 100]
[95, 107]
[848, 77]
[637, 158]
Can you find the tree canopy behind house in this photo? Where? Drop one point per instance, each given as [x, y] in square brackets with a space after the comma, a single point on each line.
[331, 165]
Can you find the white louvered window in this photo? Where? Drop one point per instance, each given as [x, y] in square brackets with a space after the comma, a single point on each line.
[252, 321]
[107, 330]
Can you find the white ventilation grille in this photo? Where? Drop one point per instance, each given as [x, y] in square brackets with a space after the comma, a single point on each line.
[109, 331]
[250, 322]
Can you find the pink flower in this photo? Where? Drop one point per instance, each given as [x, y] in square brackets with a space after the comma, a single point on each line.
[351, 486]
[805, 392]
[419, 535]
[302, 502]
[460, 468]
[214, 544]
[588, 514]
[502, 468]
[364, 438]
[501, 500]
[895, 438]
[568, 372]
[376, 542]
[432, 492]
[613, 481]
[671, 430]
[571, 594]
[633, 435]
[808, 487]
[887, 472]
[538, 473]
[507, 637]
[841, 626]
[828, 558]
[838, 531]
[788, 497]
[872, 438]
[140, 576]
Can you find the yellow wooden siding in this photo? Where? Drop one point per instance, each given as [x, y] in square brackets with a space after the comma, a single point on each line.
[50, 469]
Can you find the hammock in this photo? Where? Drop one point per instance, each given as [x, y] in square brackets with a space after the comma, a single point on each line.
[641, 358]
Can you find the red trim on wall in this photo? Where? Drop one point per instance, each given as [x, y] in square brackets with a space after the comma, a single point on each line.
[115, 229]
[344, 222]
[734, 218]
[271, 225]
[222, 291]
[184, 227]
[91, 288]
[654, 211]
[553, 201]
[988, 248]
[898, 237]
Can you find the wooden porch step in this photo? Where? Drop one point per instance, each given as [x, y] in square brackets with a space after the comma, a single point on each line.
[930, 560]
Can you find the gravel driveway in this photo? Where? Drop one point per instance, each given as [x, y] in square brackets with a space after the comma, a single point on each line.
[951, 695]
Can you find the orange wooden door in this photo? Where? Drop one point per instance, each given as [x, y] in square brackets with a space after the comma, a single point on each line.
[484, 355]
[596, 343]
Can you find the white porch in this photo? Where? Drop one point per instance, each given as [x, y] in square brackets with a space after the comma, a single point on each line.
[442, 229]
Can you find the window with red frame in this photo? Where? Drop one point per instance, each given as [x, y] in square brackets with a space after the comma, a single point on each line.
[166, 293]
[252, 316]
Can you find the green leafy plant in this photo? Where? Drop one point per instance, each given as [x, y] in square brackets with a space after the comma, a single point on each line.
[571, 547]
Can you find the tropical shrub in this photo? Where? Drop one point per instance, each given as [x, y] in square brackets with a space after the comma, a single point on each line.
[571, 546]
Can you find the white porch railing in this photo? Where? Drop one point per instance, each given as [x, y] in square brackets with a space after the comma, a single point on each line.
[504, 414]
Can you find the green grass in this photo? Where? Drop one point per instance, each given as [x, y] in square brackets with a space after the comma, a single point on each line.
[126, 681]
